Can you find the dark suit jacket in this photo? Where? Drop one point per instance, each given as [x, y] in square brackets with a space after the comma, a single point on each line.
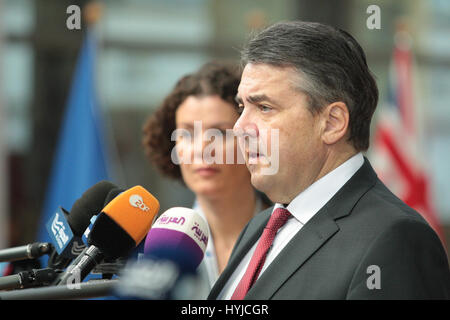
[334, 254]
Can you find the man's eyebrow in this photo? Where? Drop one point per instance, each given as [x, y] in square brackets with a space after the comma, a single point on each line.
[258, 98]
[222, 124]
[254, 99]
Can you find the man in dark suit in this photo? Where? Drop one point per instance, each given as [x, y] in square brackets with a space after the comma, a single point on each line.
[335, 232]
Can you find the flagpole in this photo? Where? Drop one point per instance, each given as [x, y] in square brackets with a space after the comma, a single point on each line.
[4, 177]
[92, 14]
[81, 157]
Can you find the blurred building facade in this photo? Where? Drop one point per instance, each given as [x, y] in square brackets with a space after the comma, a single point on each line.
[146, 45]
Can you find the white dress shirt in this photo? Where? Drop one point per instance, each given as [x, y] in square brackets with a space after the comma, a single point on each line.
[303, 207]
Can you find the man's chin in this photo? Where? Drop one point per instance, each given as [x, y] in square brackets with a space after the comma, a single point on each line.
[258, 180]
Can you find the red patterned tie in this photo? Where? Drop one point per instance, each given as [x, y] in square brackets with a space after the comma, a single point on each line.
[276, 221]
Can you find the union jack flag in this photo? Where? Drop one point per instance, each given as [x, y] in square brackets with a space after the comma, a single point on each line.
[397, 155]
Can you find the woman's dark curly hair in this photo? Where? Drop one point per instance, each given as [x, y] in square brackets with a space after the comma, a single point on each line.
[213, 78]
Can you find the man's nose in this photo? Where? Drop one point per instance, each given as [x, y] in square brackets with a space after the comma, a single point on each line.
[245, 126]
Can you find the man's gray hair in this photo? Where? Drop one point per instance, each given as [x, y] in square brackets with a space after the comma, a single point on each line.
[331, 67]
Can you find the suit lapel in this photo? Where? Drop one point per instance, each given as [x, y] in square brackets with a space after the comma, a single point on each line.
[304, 244]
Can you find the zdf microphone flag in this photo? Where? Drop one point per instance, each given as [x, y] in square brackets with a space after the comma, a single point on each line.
[81, 157]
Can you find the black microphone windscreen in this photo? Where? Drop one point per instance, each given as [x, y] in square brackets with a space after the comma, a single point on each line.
[89, 204]
[112, 194]
[110, 238]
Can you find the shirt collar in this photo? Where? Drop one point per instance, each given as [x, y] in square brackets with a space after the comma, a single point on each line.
[306, 204]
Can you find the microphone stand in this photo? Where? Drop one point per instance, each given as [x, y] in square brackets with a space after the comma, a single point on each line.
[27, 279]
[29, 251]
[90, 289]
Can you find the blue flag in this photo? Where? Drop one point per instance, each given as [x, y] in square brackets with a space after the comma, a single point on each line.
[81, 157]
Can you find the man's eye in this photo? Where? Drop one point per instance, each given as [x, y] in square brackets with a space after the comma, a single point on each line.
[264, 108]
[240, 108]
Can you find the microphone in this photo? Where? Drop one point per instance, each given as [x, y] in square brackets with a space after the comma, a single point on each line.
[180, 235]
[25, 279]
[29, 251]
[89, 204]
[120, 227]
[109, 267]
[92, 289]
[114, 192]
[66, 229]
[66, 244]
[174, 248]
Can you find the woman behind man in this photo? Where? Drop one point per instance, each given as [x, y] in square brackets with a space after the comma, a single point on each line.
[224, 194]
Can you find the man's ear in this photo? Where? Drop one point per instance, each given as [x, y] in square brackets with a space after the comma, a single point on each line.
[336, 119]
